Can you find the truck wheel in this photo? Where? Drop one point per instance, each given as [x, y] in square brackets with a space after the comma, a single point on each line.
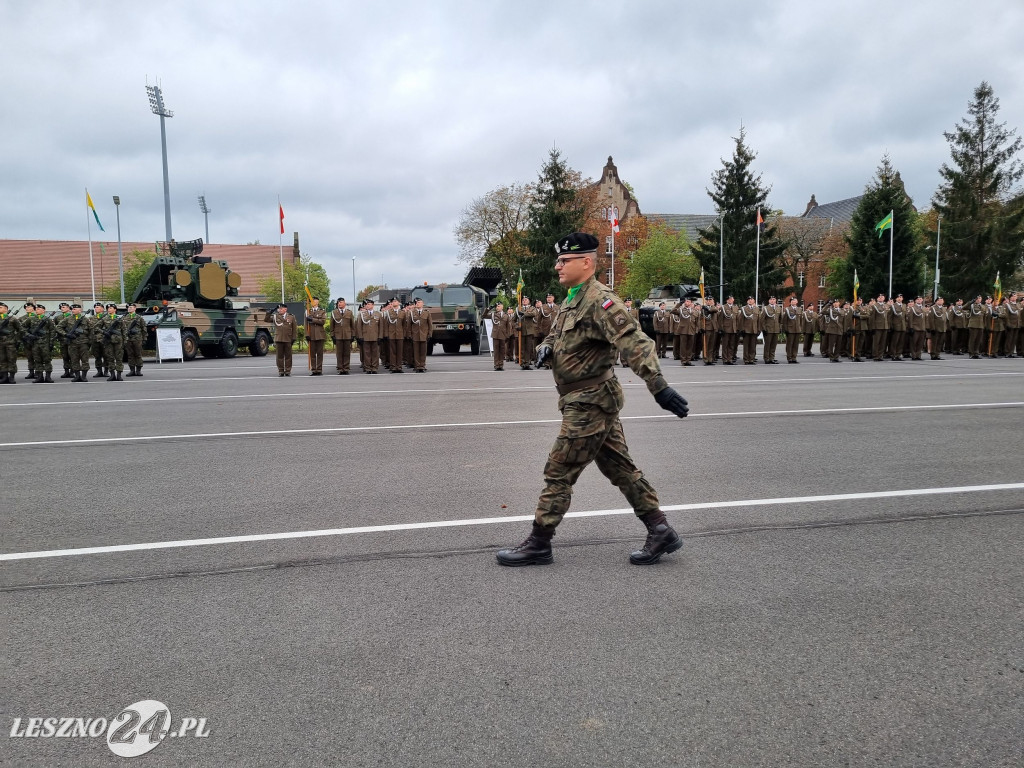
[474, 346]
[450, 347]
[260, 345]
[189, 345]
[228, 346]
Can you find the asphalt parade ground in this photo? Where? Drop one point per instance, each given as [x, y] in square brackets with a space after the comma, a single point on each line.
[307, 563]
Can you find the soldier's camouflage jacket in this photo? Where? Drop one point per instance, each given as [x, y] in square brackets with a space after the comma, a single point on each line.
[586, 338]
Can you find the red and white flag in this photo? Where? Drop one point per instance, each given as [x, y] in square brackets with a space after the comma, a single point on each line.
[615, 225]
[280, 210]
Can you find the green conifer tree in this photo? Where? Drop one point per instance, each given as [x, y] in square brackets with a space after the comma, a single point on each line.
[982, 225]
[870, 244]
[738, 194]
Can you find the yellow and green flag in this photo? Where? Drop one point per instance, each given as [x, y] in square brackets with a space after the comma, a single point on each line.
[519, 289]
[856, 282]
[884, 224]
[702, 282]
[999, 289]
[88, 202]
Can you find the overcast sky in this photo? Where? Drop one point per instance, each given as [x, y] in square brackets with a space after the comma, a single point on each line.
[377, 123]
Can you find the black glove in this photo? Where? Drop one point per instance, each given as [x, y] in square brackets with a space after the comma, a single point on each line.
[671, 400]
[543, 354]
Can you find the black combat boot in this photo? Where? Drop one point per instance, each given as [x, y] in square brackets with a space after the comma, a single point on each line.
[46, 378]
[100, 373]
[39, 378]
[661, 539]
[117, 376]
[536, 550]
[4, 377]
[112, 376]
[82, 377]
[31, 375]
[67, 373]
[138, 370]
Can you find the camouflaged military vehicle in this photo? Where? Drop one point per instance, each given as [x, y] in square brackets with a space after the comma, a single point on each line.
[199, 296]
[671, 295]
[456, 314]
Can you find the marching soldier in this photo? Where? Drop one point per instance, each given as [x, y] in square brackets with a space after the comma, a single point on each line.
[368, 330]
[527, 333]
[792, 325]
[342, 331]
[499, 335]
[316, 336]
[79, 333]
[728, 325]
[591, 330]
[748, 328]
[286, 331]
[102, 364]
[418, 320]
[134, 336]
[10, 334]
[810, 324]
[771, 326]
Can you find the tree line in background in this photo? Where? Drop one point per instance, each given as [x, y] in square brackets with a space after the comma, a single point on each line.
[979, 207]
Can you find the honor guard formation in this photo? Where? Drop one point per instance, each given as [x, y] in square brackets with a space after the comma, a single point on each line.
[395, 336]
[110, 339]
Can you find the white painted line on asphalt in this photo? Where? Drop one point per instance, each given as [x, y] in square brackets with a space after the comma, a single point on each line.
[510, 519]
[473, 424]
[455, 390]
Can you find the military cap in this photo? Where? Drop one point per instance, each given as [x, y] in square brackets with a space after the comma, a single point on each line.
[316, 298]
[111, 304]
[282, 304]
[40, 306]
[577, 242]
[76, 306]
[29, 304]
[340, 299]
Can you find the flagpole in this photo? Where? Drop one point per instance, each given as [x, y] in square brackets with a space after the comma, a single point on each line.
[892, 234]
[757, 261]
[88, 226]
[280, 245]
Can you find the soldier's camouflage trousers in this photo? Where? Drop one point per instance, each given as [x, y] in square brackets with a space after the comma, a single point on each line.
[79, 351]
[8, 356]
[112, 353]
[42, 356]
[591, 434]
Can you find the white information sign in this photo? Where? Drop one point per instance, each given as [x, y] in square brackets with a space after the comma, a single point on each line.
[168, 344]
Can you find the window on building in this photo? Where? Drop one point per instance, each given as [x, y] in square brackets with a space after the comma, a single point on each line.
[800, 276]
[609, 244]
[821, 280]
[608, 278]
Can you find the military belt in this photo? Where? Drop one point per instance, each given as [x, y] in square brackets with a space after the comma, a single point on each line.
[593, 381]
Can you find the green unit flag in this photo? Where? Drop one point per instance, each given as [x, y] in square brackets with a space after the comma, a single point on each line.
[884, 224]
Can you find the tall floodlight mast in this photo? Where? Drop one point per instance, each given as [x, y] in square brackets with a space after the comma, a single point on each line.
[206, 215]
[156, 104]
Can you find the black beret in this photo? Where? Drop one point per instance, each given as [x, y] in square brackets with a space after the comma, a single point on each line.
[282, 304]
[577, 242]
[316, 298]
[111, 304]
[340, 299]
[76, 306]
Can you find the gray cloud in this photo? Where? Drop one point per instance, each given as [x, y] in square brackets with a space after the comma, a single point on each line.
[377, 124]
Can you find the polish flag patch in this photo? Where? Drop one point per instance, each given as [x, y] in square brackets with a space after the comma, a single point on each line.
[607, 304]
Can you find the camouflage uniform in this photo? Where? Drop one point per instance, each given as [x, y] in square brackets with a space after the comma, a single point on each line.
[134, 335]
[97, 342]
[79, 333]
[110, 331]
[28, 327]
[43, 336]
[65, 353]
[10, 332]
[589, 332]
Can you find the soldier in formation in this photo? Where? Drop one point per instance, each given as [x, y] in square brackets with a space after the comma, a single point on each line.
[286, 333]
[316, 336]
[134, 337]
[343, 332]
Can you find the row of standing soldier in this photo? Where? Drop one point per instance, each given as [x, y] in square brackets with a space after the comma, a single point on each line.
[880, 329]
[394, 336]
[104, 335]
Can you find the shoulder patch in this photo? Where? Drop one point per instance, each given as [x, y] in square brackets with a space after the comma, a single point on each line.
[607, 303]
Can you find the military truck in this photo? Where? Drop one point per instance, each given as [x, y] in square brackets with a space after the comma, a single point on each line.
[198, 295]
[671, 295]
[456, 314]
